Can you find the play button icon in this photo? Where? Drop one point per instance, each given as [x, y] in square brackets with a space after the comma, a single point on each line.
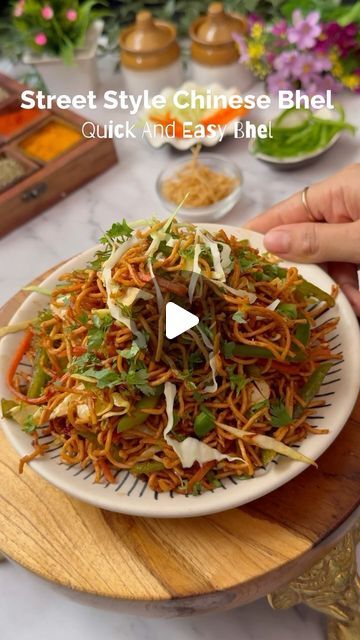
[178, 320]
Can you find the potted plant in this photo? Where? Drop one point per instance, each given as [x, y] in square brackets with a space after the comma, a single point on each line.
[60, 38]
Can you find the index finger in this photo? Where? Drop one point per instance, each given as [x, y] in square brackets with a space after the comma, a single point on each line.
[287, 211]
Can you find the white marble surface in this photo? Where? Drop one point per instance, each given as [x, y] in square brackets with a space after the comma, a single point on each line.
[127, 190]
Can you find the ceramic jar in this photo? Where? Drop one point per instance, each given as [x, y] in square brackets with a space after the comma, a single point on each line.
[150, 55]
[214, 54]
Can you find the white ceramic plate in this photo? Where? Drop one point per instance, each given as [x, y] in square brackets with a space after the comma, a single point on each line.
[130, 495]
[182, 144]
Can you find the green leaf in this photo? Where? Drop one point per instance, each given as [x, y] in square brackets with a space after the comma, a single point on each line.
[237, 381]
[279, 415]
[257, 406]
[104, 377]
[239, 317]
[137, 376]
[29, 425]
[118, 231]
[131, 352]
[81, 363]
[96, 333]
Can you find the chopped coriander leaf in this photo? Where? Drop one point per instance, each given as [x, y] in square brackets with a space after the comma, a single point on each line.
[83, 318]
[237, 381]
[239, 317]
[194, 358]
[131, 352]
[125, 310]
[119, 230]
[137, 376]
[142, 338]
[96, 333]
[164, 249]
[81, 363]
[189, 252]
[100, 258]
[197, 396]
[206, 330]
[257, 406]
[104, 377]
[279, 415]
[247, 260]
[29, 425]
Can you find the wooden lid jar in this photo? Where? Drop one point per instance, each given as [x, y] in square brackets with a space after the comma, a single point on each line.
[150, 47]
[213, 51]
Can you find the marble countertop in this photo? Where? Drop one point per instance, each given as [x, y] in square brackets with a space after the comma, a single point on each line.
[127, 190]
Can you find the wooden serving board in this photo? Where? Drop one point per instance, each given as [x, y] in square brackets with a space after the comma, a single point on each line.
[176, 567]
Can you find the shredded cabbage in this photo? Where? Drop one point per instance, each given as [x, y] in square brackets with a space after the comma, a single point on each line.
[189, 450]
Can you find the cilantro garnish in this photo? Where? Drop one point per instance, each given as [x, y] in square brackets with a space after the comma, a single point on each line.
[237, 381]
[239, 317]
[130, 352]
[29, 425]
[118, 231]
[97, 331]
[104, 377]
[257, 406]
[279, 415]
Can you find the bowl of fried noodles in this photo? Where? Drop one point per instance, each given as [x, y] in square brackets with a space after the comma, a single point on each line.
[99, 402]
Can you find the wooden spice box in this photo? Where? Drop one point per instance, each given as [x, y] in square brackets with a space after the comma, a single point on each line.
[45, 183]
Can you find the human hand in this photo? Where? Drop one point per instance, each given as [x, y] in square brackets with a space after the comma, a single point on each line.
[295, 233]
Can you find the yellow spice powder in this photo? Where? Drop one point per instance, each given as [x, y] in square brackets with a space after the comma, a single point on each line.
[53, 139]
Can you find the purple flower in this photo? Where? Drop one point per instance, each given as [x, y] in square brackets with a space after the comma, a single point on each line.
[321, 83]
[306, 64]
[277, 82]
[279, 28]
[305, 30]
[285, 62]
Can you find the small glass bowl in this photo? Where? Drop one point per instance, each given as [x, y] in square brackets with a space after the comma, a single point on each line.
[213, 211]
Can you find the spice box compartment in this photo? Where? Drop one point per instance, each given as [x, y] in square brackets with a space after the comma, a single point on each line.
[50, 179]
[14, 168]
[51, 139]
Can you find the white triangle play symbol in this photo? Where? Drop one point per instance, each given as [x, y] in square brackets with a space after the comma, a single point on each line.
[178, 320]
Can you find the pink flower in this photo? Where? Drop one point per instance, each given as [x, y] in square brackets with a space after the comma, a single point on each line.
[279, 28]
[305, 30]
[285, 62]
[40, 39]
[19, 8]
[71, 15]
[321, 84]
[47, 12]
[307, 64]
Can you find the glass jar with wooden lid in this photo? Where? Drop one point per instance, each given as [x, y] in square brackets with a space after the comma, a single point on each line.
[214, 54]
[150, 55]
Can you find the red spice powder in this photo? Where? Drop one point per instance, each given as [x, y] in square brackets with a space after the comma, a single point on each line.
[14, 118]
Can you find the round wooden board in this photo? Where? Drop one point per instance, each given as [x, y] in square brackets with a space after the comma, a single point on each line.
[176, 567]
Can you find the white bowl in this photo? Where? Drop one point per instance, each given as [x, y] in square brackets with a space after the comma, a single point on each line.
[211, 212]
[132, 496]
[184, 144]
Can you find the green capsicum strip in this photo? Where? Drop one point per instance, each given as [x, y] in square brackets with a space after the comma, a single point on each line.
[39, 376]
[308, 290]
[138, 417]
[312, 386]
[147, 467]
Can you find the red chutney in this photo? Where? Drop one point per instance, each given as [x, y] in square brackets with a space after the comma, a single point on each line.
[14, 118]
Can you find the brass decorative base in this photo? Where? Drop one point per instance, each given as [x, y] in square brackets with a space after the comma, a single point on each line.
[332, 586]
